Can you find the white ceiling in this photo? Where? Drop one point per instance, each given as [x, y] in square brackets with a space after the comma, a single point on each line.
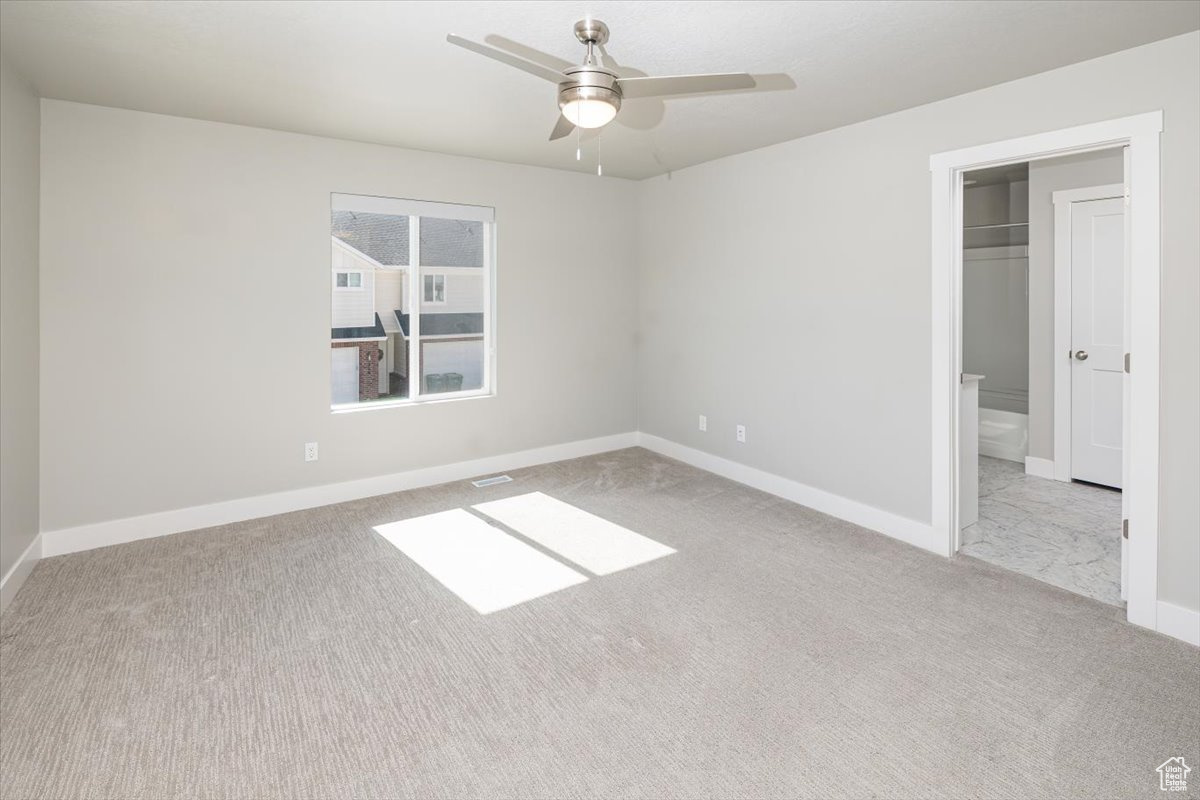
[383, 71]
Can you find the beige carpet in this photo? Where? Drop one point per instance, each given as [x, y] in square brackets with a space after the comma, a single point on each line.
[778, 653]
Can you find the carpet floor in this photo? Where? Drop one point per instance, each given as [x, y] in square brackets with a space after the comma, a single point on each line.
[778, 653]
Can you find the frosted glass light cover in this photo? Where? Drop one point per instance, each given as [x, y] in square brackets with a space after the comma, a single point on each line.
[589, 113]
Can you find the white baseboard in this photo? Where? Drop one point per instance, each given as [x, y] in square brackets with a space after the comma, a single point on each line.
[1000, 450]
[129, 529]
[1179, 622]
[19, 571]
[1172, 620]
[906, 530]
[1039, 467]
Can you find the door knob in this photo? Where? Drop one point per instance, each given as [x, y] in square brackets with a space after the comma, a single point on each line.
[1081, 355]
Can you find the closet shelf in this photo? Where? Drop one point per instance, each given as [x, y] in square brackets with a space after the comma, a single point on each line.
[998, 225]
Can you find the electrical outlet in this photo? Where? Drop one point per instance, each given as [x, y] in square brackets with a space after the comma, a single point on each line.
[741, 433]
[310, 451]
[703, 422]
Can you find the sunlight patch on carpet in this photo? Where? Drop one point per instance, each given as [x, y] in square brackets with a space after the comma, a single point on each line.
[592, 542]
[487, 568]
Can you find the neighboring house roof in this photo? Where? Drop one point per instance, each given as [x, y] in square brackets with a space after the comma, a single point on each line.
[384, 237]
[445, 324]
[375, 331]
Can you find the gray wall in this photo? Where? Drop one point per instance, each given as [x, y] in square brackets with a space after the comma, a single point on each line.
[19, 121]
[1045, 178]
[769, 298]
[169, 241]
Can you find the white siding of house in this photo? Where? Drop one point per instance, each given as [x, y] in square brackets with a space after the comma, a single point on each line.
[352, 309]
[464, 290]
[389, 290]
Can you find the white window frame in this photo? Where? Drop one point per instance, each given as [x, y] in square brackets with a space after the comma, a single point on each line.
[414, 210]
[435, 276]
[348, 288]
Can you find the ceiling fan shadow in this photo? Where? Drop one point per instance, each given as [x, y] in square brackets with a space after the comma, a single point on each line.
[769, 82]
[640, 114]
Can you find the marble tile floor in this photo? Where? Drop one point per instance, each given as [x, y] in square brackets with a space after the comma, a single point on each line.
[1066, 534]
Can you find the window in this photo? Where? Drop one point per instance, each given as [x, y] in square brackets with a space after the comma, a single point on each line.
[399, 336]
[435, 289]
[348, 280]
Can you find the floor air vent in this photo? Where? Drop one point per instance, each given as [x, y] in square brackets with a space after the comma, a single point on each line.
[491, 481]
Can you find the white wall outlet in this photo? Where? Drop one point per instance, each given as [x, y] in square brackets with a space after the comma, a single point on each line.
[310, 451]
[741, 433]
[703, 422]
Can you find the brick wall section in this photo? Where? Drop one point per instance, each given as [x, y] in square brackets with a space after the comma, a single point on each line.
[368, 368]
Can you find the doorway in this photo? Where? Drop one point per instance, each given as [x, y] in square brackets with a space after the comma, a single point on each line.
[1140, 135]
[1044, 263]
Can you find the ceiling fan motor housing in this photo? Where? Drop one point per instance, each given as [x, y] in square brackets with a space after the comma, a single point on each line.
[590, 82]
[591, 31]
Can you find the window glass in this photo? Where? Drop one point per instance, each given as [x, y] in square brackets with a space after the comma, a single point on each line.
[412, 317]
[451, 243]
[381, 237]
[453, 327]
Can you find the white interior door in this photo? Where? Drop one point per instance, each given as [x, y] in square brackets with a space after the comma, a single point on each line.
[344, 374]
[1097, 340]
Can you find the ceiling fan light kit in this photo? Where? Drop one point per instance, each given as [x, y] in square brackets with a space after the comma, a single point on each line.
[589, 104]
[590, 95]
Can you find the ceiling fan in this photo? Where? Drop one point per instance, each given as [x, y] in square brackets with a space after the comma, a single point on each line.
[590, 94]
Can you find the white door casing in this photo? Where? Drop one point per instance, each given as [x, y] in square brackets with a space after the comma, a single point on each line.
[1097, 339]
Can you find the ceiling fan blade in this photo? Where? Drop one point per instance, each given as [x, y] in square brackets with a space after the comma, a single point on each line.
[561, 128]
[507, 58]
[634, 88]
[528, 53]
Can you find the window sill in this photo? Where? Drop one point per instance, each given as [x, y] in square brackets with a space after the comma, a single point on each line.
[442, 397]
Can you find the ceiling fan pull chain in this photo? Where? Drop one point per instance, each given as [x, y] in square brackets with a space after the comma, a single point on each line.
[578, 145]
[599, 166]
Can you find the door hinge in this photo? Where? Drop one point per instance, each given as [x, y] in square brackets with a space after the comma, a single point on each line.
[1124, 529]
[1127, 362]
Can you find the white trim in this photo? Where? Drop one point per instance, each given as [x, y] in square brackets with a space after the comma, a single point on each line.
[401, 402]
[415, 293]
[130, 529]
[906, 530]
[401, 207]
[354, 252]
[1001, 450]
[1141, 492]
[1141, 134]
[1039, 467]
[11, 583]
[1038, 146]
[1062, 314]
[1108, 191]
[1179, 622]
